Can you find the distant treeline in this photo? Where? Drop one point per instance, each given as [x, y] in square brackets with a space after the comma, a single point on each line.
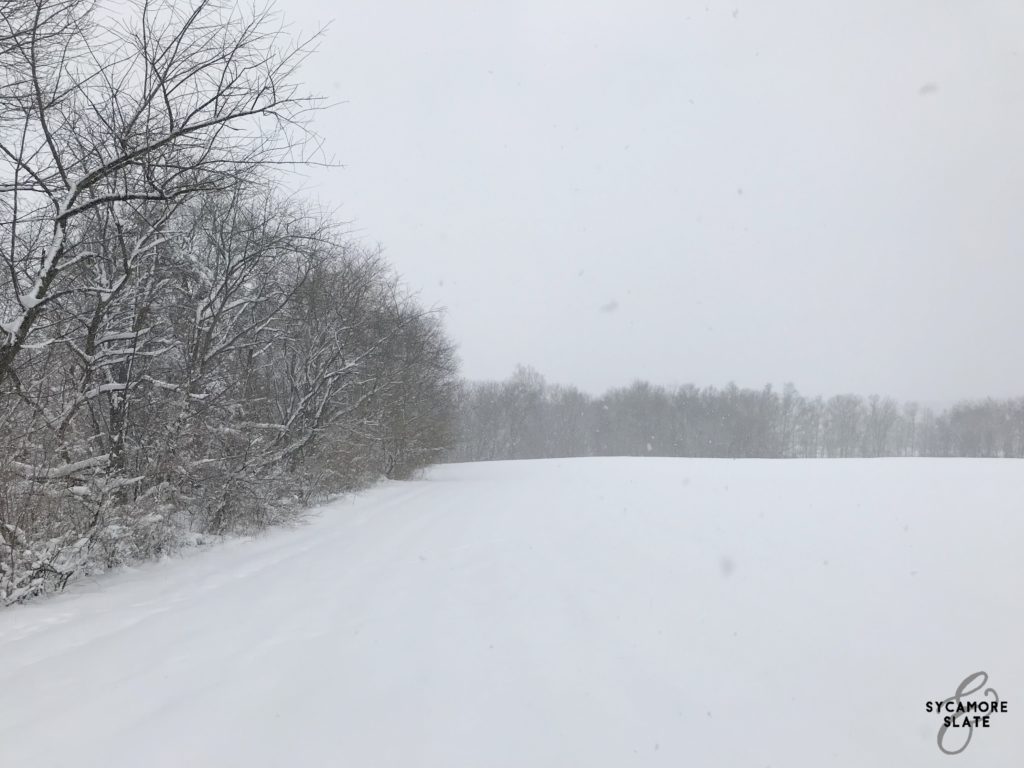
[524, 417]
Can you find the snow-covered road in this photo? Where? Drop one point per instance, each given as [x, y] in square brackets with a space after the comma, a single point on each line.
[586, 612]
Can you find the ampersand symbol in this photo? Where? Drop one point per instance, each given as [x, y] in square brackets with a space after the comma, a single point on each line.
[961, 691]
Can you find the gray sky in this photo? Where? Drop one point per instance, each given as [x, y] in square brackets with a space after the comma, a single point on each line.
[827, 193]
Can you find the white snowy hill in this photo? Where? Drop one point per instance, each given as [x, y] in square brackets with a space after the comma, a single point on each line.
[561, 613]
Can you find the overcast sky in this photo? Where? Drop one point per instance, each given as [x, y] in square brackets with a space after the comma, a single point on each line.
[828, 193]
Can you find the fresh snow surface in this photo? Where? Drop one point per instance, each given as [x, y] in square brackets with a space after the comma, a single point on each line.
[585, 612]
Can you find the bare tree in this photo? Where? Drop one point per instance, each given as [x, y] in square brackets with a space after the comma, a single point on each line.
[878, 425]
[125, 123]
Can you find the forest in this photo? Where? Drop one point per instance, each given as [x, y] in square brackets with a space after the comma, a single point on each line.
[187, 347]
[524, 417]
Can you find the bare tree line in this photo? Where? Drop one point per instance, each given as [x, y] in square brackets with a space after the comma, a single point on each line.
[183, 349]
[524, 417]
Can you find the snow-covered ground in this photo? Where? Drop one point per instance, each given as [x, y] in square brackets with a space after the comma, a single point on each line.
[586, 612]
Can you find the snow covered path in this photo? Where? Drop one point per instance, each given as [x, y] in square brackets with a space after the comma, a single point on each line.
[587, 612]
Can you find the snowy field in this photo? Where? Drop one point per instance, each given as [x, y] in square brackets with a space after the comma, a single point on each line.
[586, 612]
